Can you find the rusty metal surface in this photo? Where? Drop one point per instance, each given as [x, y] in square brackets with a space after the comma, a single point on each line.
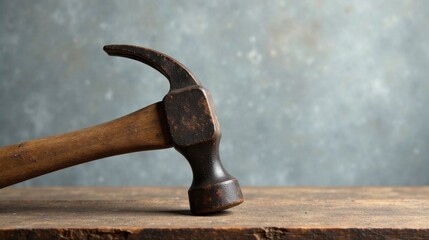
[190, 116]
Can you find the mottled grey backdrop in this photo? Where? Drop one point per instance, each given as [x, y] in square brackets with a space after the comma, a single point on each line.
[307, 92]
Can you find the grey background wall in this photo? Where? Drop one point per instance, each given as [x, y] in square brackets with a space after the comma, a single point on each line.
[307, 92]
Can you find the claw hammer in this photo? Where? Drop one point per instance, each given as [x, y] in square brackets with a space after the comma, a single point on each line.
[185, 119]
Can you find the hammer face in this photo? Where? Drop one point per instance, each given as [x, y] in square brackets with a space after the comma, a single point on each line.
[215, 197]
[190, 116]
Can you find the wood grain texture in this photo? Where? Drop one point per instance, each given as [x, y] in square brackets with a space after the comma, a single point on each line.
[267, 213]
[138, 131]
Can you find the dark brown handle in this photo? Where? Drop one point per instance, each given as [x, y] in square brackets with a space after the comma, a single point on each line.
[142, 130]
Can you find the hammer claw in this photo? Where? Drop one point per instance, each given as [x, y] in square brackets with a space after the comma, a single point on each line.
[177, 74]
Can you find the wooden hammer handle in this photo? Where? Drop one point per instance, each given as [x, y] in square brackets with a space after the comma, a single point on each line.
[144, 129]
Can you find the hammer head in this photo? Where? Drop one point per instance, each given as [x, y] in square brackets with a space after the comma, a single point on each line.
[194, 129]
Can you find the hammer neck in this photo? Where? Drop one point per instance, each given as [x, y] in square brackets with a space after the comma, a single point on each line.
[205, 162]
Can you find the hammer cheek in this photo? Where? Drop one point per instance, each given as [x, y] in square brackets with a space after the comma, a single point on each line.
[190, 116]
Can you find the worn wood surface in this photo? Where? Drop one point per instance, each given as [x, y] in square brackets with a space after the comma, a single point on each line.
[267, 213]
[141, 130]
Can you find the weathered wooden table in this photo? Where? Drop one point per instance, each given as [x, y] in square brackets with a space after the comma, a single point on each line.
[267, 213]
